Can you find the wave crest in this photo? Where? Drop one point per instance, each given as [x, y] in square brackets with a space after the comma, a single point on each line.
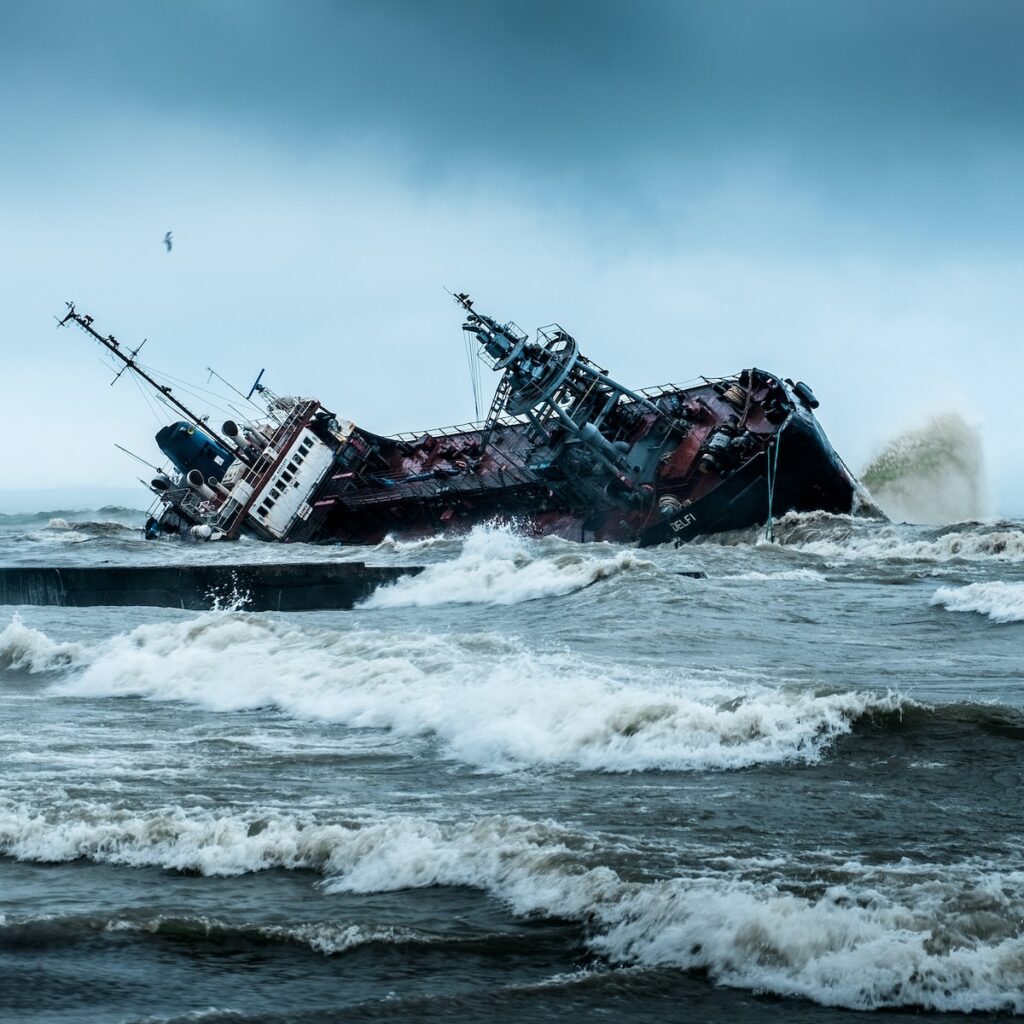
[879, 938]
[495, 566]
[492, 702]
[1000, 601]
[30, 650]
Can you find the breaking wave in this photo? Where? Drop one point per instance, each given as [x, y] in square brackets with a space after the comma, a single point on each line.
[92, 529]
[1001, 602]
[900, 934]
[885, 544]
[26, 649]
[850, 538]
[392, 544]
[491, 702]
[782, 576]
[495, 566]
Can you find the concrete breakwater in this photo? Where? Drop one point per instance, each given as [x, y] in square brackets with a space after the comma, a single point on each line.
[281, 587]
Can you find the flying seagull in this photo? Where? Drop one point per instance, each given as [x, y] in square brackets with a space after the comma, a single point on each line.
[167, 241]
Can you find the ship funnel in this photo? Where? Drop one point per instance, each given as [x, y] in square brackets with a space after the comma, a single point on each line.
[198, 484]
[230, 429]
[215, 485]
[160, 483]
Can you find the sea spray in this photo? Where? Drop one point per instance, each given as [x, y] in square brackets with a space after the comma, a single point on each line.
[931, 475]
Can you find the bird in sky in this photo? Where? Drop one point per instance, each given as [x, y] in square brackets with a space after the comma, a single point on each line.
[167, 241]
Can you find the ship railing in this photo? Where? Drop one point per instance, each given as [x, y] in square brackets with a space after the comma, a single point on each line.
[509, 420]
[654, 392]
[279, 441]
[668, 389]
[196, 506]
[435, 490]
[504, 420]
[232, 513]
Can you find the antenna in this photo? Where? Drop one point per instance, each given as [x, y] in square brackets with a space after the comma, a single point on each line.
[138, 458]
[256, 384]
[472, 355]
[214, 373]
[130, 362]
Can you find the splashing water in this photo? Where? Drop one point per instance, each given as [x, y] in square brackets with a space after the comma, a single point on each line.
[931, 475]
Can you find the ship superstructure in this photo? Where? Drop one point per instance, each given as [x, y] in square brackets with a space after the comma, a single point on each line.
[564, 449]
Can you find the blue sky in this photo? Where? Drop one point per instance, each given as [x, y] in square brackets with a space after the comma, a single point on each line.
[831, 191]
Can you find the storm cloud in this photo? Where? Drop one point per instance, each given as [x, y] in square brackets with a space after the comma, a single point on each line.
[828, 190]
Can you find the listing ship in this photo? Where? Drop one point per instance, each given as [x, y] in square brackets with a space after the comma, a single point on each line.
[564, 450]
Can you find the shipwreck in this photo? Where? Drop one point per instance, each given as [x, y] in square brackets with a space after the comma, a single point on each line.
[564, 450]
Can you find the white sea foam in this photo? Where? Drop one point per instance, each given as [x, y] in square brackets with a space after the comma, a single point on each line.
[1000, 601]
[31, 650]
[491, 701]
[782, 576]
[847, 539]
[394, 544]
[496, 566]
[865, 946]
[60, 535]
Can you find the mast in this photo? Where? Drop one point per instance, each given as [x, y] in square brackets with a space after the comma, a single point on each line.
[111, 344]
[561, 392]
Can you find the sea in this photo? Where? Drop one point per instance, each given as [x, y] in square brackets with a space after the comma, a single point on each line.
[541, 781]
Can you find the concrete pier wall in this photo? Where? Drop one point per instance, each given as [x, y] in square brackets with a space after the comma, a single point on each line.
[287, 587]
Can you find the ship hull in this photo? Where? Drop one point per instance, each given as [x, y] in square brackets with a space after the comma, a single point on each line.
[798, 470]
[565, 450]
[806, 476]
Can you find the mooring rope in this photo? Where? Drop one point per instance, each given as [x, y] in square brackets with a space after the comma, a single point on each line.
[773, 469]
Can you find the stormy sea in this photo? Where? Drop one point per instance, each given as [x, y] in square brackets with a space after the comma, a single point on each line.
[540, 781]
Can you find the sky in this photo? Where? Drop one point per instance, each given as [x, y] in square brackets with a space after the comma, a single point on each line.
[830, 191]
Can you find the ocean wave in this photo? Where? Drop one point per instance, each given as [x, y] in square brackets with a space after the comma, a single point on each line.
[941, 722]
[30, 650]
[496, 566]
[886, 544]
[868, 942]
[326, 937]
[853, 538]
[782, 576]
[104, 528]
[391, 544]
[492, 702]
[1000, 601]
[105, 512]
[63, 535]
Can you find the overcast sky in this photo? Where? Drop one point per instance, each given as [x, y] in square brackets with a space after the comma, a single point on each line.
[828, 190]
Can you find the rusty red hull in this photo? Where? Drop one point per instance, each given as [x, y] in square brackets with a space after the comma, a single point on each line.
[445, 483]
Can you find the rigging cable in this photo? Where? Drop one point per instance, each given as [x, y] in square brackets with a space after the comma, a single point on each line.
[773, 470]
[474, 372]
[149, 405]
[196, 391]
